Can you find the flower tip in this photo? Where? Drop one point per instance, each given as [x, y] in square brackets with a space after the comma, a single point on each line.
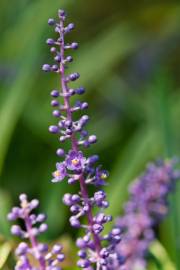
[61, 13]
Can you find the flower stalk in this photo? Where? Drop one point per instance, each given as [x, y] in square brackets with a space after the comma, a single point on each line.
[75, 166]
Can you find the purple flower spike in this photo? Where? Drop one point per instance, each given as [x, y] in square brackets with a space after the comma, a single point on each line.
[60, 173]
[146, 207]
[75, 166]
[45, 259]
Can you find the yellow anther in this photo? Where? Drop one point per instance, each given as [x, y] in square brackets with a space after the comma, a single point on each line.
[75, 161]
[24, 204]
[103, 176]
[57, 173]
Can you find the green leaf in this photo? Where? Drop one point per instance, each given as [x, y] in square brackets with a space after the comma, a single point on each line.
[159, 252]
[5, 205]
[5, 250]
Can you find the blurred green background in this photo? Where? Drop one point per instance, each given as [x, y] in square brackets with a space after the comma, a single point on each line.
[129, 59]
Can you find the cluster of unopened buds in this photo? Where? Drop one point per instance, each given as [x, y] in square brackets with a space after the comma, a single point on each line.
[33, 225]
[96, 250]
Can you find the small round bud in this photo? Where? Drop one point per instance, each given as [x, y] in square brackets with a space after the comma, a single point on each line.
[67, 199]
[74, 45]
[46, 68]
[53, 129]
[56, 113]
[22, 249]
[60, 257]
[43, 227]
[61, 13]
[34, 203]
[56, 249]
[70, 26]
[92, 139]
[16, 230]
[55, 93]
[83, 263]
[54, 103]
[60, 152]
[69, 59]
[84, 105]
[50, 41]
[51, 21]
[55, 67]
[75, 222]
[53, 50]
[57, 58]
[74, 76]
[23, 197]
[41, 218]
[80, 90]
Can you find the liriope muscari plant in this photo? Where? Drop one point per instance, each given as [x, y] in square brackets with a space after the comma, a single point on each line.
[148, 195]
[33, 255]
[74, 165]
[147, 206]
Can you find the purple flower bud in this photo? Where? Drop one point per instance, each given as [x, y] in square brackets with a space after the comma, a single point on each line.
[97, 228]
[92, 139]
[67, 199]
[53, 50]
[74, 45]
[41, 218]
[60, 257]
[80, 90]
[53, 129]
[82, 254]
[57, 58]
[51, 21]
[50, 41]
[54, 103]
[55, 93]
[43, 227]
[46, 67]
[93, 159]
[55, 67]
[61, 13]
[34, 204]
[74, 76]
[16, 230]
[22, 249]
[56, 249]
[23, 197]
[84, 119]
[60, 152]
[70, 27]
[84, 105]
[75, 222]
[69, 59]
[75, 198]
[81, 243]
[56, 113]
[83, 263]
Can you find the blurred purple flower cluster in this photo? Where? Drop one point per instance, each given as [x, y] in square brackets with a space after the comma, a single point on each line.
[147, 206]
